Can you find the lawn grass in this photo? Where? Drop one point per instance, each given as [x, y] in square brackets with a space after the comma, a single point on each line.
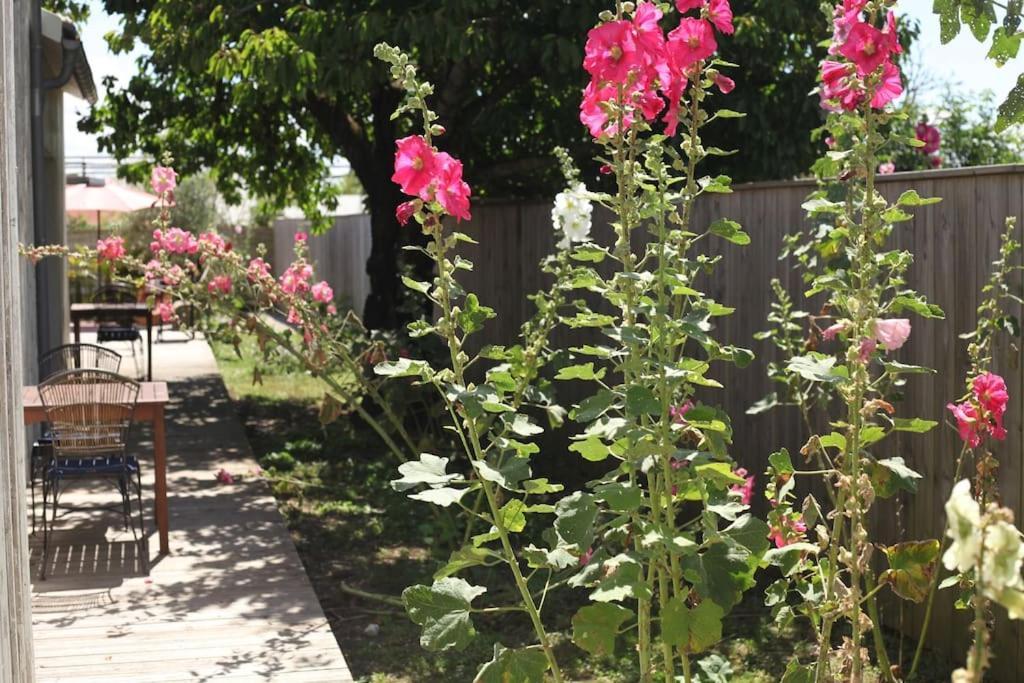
[354, 533]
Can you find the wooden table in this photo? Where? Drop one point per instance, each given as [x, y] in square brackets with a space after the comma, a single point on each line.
[80, 312]
[153, 398]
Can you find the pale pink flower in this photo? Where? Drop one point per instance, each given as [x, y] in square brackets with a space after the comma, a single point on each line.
[110, 248]
[293, 316]
[163, 179]
[220, 283]
[892, 333]
[164, 310]
[834, 329]
[867, 347]
[258, 269]
[174, 241]
[886, 168]
[789, 531]
[322, 292]
[746, 489]
[295, 280]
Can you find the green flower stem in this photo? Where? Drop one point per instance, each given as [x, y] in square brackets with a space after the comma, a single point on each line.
[444, 279]
[932, 588]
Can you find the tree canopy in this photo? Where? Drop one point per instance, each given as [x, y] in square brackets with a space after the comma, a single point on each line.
[266, 94]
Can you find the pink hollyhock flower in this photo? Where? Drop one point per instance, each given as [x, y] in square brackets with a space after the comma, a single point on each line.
[886, 168]
[678, 413]
[648, 35]
[221, 283]
[173, 275]
[967, 423]
[301, 237]
[746, 489]
[415, 165]
[890, 87]
[152, 269]
[673, 91]
[611, 52]
[830, 142]
[720, 14]
[405, 211]
[258, 269]
[725, 84]
[935, 161]
[593, 113]
[854, 5]
[322, 292]
[867, 47]
[175, 241]
[293, 316]
[867, 347]
[891, 33]
[687, 5]
[163, 179]
[295, 280]
[164, 310]
[842, 21]
[830, 332]
[215, 242]
[789, 531]
[225, 477]
[839, 85]
[332, 309]
[110, 248]
[990, 391]
[930, 136]
[451, 191]
[692, 41]
[892, 333]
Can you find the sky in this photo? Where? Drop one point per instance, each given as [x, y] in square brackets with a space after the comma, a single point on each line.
[961, 62]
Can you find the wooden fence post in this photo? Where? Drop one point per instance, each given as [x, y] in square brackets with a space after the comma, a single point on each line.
[16, 662]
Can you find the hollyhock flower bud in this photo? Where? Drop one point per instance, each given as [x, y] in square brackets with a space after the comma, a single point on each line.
[788, 531]
[415, 165]
[867, 347]
[110, 248]
[163, 179]
[892, 333]
[605, 169]
[322, 292]
[725, 84]
[831, 331]
[678, 413]
[405, 211]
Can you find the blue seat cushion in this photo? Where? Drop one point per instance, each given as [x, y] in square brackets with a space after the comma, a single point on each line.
[111, 464]
[108, 334]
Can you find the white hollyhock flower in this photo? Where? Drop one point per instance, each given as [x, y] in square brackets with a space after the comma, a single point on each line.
[962, 519]
[1004, 554]
[572, 214]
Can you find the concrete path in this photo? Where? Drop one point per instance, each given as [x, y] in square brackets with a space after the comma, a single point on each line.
[231, 602]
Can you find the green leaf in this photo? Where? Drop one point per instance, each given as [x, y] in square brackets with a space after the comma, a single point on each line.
[525, 665]
[465, 557]
[620, 496]
[444, 496]
[916, 425]
[512, 517]
[623, 579]
[798, 673]
[892, 474]
[788, 557]
[574, 519]
[729, 114]
[692, 630]
[640, 400]
[429, 469]
[584, 371]
[1011, 111]
[507, 474]
[949, 18]
[730, 230]
[817, 367]
[917, 304]
[403, 367]
[522, 426]
[1005, 46]
[442, 610]
[595, 627]
[911, 568]
[781, 462]
[912, 198]
[416, 285]
[591, 448]
[594, 406]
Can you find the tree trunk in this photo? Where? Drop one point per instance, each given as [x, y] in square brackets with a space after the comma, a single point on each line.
[381, 310]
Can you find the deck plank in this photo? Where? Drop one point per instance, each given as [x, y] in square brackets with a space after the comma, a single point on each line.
[231, 602]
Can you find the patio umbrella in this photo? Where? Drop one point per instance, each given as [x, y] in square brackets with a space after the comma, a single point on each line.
[97, 196]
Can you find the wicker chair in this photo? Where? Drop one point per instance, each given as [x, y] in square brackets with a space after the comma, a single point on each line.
[52, 362]
[118, 327]
[90, 415]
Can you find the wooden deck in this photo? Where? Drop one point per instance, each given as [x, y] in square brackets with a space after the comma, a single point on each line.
[231, 602]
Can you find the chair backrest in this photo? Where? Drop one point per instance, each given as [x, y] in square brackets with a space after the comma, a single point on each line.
[89, 410]
[114, 294]
[70, 356]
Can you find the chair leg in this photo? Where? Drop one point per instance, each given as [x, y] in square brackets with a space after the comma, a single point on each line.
[122, 486]
[32, 485]
[143, 544]
[47, 528]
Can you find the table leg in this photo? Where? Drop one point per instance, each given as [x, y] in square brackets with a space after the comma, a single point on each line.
[149, 346]
[160, 479]
[78, 331]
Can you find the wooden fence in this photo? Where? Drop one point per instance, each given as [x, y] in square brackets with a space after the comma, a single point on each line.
[953, 244]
